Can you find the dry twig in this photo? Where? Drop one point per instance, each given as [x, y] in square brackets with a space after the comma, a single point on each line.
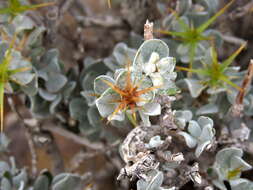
[238, 106]
[148, 30]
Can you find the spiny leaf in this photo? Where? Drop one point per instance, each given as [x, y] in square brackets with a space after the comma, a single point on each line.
[171, 33]
[198, 71]
[229, 82]
[205, 25]
[18, 70]
[32, 7]
[193, 47]
[230, 59]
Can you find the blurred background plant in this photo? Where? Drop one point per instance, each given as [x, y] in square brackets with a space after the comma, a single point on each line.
[86, 98]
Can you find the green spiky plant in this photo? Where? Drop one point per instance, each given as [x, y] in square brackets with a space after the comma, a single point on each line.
[214, 74]
[15, 8]
[6, 76]
[192, 35]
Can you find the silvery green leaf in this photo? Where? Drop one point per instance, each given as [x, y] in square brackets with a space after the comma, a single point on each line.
[217, 36]
[5, 184]
[181, 117]
[78, 109]
[100, 86]
[90, 132]
[47, 95]
[194, 129]
[166, 22]
[207, 109]
[123, 54]
[106, 102]
[68, 89]
[148, 96]
[35, 35]
[207, 133]
[4, 142]
[147, 48]
[241, 184]
[238, 162]
[20, 178]
[224, 156]
[39, 107]
[65, 181]
[183, 49]
[13, 169]
[183, 6]
[177, 27]
[94, 117]
[157, 79]
[219, 184]
[180, 122]
[144, 118]
[4, 167]
[17, 62]
[166, 64]
[195, 87]
[22, 22]
[119, 116]
[203, 121]
[135, 40]
[156, 180]
[198, 18]
[211, 5]
[49, 62]
[199, 52]
[55, 103]
[151, 109]
[190, 141]
[186, 114]
[3, 48]
[88, 95]
[42, 183]
[213, 91]
[201, 147]
[171, 188]
[31, 88]
[155, 142]
[56, 82]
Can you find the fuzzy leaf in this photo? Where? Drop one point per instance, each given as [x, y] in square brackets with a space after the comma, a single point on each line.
[147, 48]
[201, 147]
[65, 181]
[194, 129]
[106, 103]
[99, 83]
[195, 87]
[41, 183]
[56, 82]
[78, 108]
[152, 109]
[190, 141]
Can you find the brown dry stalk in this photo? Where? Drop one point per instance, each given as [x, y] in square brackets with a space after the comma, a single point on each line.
[246, 82]
[148, 30]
